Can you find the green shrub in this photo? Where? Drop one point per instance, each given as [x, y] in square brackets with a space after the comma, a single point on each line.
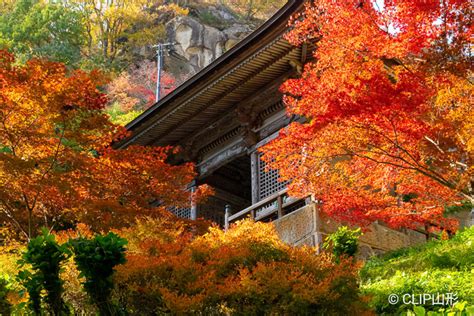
[429, 282]
[456, 253]
[343, 242]
[117, 116]
[459, 309]
[95, 259]
[439, 266]
[45, 257]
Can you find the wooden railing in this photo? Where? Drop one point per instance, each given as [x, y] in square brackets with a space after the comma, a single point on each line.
[275, 203]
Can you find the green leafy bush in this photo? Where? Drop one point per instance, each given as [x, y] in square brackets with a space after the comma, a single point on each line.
[343, 242]
[45, 256]
[439, 266]
[95, 259]
[117, 116]
[459, 309]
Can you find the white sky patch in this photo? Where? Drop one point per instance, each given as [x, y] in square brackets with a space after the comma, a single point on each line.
[379, 6]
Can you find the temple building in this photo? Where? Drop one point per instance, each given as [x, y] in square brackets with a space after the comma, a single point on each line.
[223, 114]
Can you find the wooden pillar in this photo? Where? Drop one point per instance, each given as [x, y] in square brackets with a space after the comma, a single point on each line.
[226, 217]
[280, 206]
[318, 238]
[193, 202]
[254, 171]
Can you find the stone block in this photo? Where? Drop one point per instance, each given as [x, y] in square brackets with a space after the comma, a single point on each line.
[296, 226]
[307, 241]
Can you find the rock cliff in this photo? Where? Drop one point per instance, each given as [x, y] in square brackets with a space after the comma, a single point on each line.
[198, 43]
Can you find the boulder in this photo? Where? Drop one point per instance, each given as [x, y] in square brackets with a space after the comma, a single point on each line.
[200, 44]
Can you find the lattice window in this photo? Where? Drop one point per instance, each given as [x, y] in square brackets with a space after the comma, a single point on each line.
[217, 216]
[183, 212]
[268, 180]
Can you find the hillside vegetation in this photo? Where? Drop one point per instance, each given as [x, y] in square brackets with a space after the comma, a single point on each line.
[439, 266]
[117, 38]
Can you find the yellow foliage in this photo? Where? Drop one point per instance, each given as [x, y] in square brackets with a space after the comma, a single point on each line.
[106, 21]
[10, 250]
[10, 253]
[74, 294]
[178, 10]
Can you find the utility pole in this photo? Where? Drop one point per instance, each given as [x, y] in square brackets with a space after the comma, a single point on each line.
[160, 48]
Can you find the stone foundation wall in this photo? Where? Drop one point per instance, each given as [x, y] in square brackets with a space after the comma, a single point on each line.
[307, 226]
[299, 227]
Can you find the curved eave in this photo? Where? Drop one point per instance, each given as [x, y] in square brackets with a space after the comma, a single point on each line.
[161, 119]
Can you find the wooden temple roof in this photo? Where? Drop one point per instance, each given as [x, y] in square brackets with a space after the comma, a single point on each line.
[219, 88]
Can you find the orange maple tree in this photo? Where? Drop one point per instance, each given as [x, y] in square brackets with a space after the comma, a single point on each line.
[387, 131]
[56, 162]
[135, 89]
[247, 270]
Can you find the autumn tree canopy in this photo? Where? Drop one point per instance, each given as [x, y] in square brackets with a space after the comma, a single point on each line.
[56, 163]
[389, 132]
